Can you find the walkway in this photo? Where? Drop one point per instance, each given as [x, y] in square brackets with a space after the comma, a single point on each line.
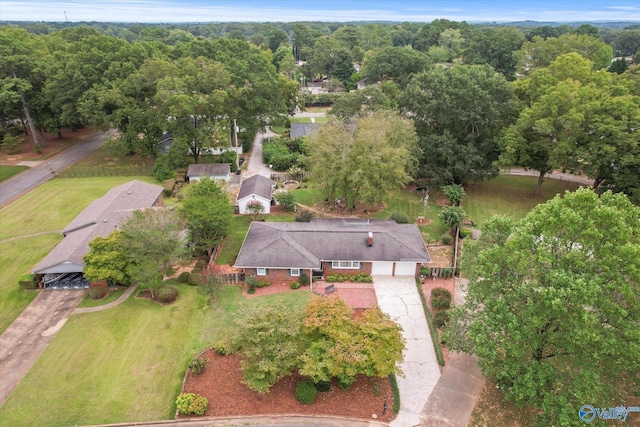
[256, 164]
[122, 298]
[29, 334]
[26, 181]
[398, 297]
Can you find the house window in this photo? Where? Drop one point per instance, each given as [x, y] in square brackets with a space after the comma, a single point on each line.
[295, 271]
[345, 264]
[261, 271]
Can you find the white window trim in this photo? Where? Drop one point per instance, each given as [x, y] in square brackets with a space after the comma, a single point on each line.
[345, 265]
[294, 271]
[261, 271]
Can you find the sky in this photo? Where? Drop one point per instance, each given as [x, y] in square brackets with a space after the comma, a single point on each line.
[318, 10]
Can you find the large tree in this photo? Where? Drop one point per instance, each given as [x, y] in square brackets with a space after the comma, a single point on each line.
[152, 241]
[398, 64]
[553, 305]
[458, 114]
[106, 259]
[208, 213]
[362, 160]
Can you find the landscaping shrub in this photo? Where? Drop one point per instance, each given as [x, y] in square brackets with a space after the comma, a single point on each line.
[447, 272]
[261, 284]
[332, 278]
[201, 264]
[440, 318]
[304, 279]
[441, 301]
[344, 382]
[28, 281]
[323, 386]
[295, 285]
[163, 169]
[304, 216]
[195, 279]
[399, 217]
[196, 270]
[167, 293]
[169, 271]
[197, 364]
[306, 392]
[446, 239]
[339, 279]
[464, 233]
[396, 393]
[438, 292]
[286, 199]
[184, 277]
[191, 403]
[98, 292]
[425, 272]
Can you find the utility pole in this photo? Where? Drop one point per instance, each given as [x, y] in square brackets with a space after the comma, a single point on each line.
[235, 139]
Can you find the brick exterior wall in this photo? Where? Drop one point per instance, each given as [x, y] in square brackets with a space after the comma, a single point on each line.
[328, 271]
[276, 276]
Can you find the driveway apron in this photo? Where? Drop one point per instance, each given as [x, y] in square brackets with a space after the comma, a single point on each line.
[398, 297]
[29, 334]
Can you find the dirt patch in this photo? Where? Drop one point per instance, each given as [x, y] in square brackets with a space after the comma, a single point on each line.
[441, 255]
[221, 383]
[53, 146]
[428, 285]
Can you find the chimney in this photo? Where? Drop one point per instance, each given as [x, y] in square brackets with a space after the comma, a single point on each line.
[370, 239]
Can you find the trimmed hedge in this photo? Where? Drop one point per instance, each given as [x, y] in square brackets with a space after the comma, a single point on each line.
[432, 328]
[98, 292]
[184, 277]
[167, 293]
[28, 281]
[306, 391]
[440, 318]
[396, 393]
[195, 279]
[440, 299]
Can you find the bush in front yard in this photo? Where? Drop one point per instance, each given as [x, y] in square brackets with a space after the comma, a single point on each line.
[306, 392]
[440, 299]
[167, 293]
[295, 285]
[98, 292]
[399, 217]
[440, 318]
[201, 263]
[184, 277]
[323, 386]
[304, 279]
[191, 403]
[197, 364]
[446, 239]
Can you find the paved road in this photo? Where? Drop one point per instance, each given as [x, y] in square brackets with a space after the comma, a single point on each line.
[22, 183]
[256, 165]
[399, 298]
[29, 334]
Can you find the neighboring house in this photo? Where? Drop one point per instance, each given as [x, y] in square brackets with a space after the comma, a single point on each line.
[166, 141]
[257, 188]
[303, 129]
[65, 263]
[214, 171]
[281, 251]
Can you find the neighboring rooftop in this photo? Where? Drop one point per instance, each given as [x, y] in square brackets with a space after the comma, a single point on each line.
[307, 244]
[100, 218]
[303, 129]
[258, 185]
[209, 169]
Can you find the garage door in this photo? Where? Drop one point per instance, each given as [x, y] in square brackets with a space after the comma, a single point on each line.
[405, 269]
[382, 268]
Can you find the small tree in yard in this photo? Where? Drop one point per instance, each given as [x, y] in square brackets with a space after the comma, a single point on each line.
[106, 260]
[286, 199]
[455, 193]
[452, 217]
[255, 208]
[153, 240]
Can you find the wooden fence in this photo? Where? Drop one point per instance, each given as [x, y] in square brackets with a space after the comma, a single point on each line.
[285, 176]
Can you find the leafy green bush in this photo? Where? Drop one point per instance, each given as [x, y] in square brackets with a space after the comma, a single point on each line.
[163, 168]
[304, 216]
[323, 386]
[446, 239]
[286, 199]
[184, 277]
[362, 278]
[399, 217]
[28, 281]
[440, 318]
[304, 279]
[425, 272]
[195, 279]
[201, 263]
[169, 271]
[306, 391]
[345, 382]
[191, 403]
[295, 285]
[98, 292]
[196, 270]
[262, 284]
[167, 293]
[441, 300]
[464, 233]
[438, 292]
[197, 364]
[332, 278]
[339, 278]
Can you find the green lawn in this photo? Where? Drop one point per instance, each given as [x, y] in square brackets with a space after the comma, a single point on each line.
[126, 363]
[509, 195]
[100, 163]
[47, 209]
[7, 172]
[114, 294]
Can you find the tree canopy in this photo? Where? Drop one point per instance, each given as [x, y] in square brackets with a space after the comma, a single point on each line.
[553, 305]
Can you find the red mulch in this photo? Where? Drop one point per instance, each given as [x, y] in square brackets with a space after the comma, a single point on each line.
[53, 146]
[427, 286]
[221, 384]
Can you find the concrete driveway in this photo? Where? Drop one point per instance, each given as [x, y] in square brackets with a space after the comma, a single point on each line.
[29, 334]
[256, 164]
[398, 297]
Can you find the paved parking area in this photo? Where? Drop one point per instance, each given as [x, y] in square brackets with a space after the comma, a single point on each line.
[399, 298]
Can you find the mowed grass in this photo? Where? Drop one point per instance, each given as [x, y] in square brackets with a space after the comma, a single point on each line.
[126, 363]
[47, 209]
[508, 195]
[7, 172]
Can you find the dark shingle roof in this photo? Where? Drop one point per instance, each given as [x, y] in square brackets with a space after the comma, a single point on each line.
[303, 129]
[258, 185]
[100, 218]
[305, 245]
[209, 169]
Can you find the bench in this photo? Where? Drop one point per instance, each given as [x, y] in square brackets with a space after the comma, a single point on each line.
[329, 289]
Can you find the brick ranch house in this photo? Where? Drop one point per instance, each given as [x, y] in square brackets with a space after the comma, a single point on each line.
[278, 252]
[63, 266]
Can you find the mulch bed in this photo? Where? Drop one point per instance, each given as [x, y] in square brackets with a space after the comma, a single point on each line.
[221, 384]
